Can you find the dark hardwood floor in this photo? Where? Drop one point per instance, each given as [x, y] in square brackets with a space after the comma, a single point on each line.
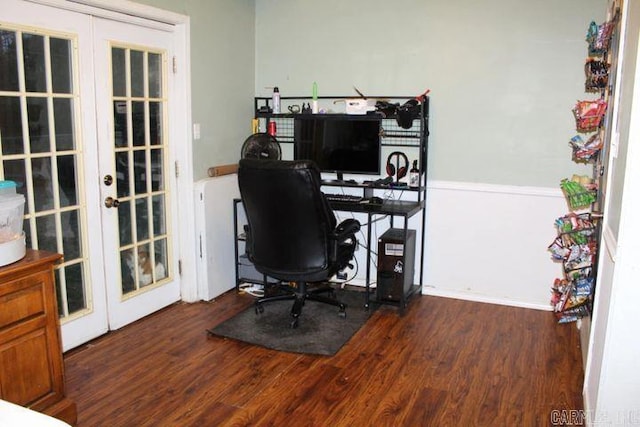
[446, 362]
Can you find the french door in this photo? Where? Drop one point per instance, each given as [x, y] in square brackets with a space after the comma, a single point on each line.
[85, 113]
[135, 174]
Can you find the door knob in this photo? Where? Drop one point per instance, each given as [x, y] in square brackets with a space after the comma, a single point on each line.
[110, 202]
[108, 180]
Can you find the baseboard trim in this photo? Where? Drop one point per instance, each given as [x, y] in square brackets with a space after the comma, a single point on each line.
[427, 290]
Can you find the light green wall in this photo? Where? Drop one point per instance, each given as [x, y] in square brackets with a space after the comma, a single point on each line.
[503, 74]
[222, 76]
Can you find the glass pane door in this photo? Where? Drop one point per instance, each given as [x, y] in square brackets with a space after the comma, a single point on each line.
[132, 93]
[139, 154]
[76, 129]
[42, 153]
[84, 122]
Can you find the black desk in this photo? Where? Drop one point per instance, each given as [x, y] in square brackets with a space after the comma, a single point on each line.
[391, 208]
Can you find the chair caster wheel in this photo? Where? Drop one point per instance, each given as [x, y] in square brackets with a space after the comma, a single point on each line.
[342, 313]
[259, 309]
[294, 323]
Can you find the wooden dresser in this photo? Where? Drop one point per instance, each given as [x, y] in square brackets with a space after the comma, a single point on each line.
[31, 365]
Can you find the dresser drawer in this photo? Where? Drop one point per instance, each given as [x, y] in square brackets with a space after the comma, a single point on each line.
[23, 303]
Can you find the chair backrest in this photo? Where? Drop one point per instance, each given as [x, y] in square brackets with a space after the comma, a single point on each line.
[288, 217]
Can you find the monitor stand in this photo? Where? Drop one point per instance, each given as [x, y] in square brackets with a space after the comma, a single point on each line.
[339, 179]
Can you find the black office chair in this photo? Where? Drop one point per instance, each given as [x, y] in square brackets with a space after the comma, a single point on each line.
[291, 233]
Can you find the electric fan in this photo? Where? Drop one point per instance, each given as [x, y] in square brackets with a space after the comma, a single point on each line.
[261, 146]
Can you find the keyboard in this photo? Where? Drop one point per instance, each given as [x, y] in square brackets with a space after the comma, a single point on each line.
[343, 198]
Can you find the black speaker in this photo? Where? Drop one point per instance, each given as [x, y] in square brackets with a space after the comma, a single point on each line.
[395, 275]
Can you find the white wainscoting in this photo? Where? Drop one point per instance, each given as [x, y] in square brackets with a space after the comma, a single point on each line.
[488, 243]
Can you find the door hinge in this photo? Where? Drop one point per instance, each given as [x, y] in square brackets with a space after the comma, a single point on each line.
[175, 65]
[180, 267]
[177, 169]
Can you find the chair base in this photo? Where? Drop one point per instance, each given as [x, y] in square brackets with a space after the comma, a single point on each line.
[299, 296]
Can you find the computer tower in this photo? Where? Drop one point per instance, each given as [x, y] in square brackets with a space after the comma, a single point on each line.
[395, 276]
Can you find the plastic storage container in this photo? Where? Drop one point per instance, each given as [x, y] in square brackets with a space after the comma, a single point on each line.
[12, 239]
[7, 188]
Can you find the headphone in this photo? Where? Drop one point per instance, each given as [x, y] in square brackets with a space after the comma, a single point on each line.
[393, 165]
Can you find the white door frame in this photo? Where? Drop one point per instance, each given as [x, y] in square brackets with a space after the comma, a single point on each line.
[610, 382]
[138, 14]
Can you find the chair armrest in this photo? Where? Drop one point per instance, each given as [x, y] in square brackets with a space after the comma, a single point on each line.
[344, 243]
[346, 228]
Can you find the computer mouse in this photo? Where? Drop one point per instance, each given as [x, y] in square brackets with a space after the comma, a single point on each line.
[375, 200]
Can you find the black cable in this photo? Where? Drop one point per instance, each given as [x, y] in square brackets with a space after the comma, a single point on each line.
[374, 221]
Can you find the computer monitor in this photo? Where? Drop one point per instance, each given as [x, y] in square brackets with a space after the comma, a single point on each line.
[344, 144]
